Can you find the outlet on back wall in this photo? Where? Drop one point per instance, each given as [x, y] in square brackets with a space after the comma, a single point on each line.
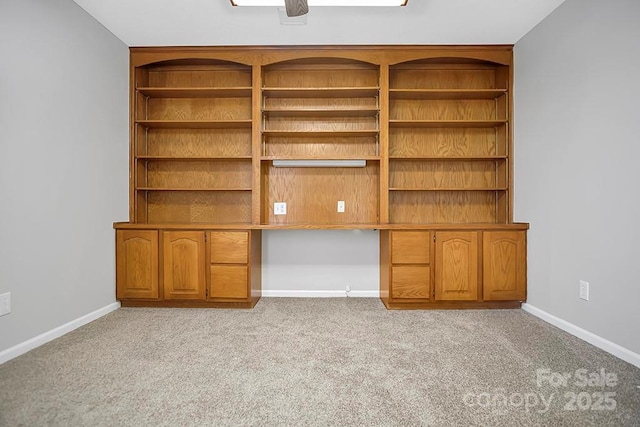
[584, 290]
[5, 303]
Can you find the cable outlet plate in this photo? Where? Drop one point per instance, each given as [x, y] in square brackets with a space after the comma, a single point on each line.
[584, 290]
[341, 206]
[5, 303]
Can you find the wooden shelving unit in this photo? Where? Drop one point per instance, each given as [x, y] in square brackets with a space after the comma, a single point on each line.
[192, 155]
[432, 124]
[448, 141]
[320, 109]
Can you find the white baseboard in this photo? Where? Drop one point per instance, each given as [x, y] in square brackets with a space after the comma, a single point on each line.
[44, 338]
[320, 294]
[602, 343]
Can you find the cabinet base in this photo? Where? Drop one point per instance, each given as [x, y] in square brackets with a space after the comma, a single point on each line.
[189, 304]
[449, 305]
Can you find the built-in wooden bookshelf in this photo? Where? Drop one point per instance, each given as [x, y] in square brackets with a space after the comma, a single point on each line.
[432, 124]
[320, 109]
[448, 141]
[192, 146]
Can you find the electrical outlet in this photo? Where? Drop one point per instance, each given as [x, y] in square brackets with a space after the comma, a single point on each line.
[341, 206]
[280, 208]
[5, 303]
[584, 290]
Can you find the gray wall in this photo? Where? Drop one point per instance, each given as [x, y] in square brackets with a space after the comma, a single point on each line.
[577, 135]
[63, 163]
[320, 262]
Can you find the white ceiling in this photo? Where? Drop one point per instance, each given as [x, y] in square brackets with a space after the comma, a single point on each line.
[216, 22]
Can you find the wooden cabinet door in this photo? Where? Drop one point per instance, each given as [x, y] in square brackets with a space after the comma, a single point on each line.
[136, 264]
[504, 265]
[184, 265]
[456, 265]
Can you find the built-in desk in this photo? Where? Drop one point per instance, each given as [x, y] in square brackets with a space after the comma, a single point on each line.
[421, 266]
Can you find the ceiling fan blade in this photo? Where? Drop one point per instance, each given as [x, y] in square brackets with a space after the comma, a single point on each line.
[296, 7]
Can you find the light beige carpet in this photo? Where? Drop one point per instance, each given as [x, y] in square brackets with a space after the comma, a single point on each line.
[317, 362]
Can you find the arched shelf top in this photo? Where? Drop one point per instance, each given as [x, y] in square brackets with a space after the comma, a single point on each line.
[315, 61]
[448, 60]
[314, 76]
[195, 61]
[194, 77]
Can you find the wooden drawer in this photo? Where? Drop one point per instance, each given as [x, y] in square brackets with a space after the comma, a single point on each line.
[229, 247]
[409, 281]
[229, 281]
[410, 247]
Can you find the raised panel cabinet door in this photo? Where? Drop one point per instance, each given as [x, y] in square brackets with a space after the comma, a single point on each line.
[184, 265]
[410, 281]
[410, 247]
[229, 281]
[136, 264]
[456, 265]
[229, 247]
[504, 275]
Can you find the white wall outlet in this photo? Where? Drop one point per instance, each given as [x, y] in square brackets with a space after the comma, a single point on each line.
[584, 290]
[5, 303]
[341, 206]
[280, 208]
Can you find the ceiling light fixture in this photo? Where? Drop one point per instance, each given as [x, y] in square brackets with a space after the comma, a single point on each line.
[313, 3]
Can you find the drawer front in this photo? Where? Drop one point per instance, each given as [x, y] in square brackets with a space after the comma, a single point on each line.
[229, 281]
[410, 247]
[229, 247]
[410, 281]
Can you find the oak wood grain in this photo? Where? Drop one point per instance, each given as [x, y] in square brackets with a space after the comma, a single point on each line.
[229, 247]
[137, 264]
[410, 247]
[410, 282]
[456, 265]
[504, 265]
[229, 281]
[184, 265]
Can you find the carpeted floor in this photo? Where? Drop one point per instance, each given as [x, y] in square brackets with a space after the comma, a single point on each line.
[317, 362]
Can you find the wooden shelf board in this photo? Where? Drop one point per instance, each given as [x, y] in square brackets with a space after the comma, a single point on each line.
[448, 189]
[316, 112]
[195, 124]
[320, 92]
[446, 93]
[195, 92]
[446, 123]
[447, 159]
[191, 189]
[194, 159]
[319, 133]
